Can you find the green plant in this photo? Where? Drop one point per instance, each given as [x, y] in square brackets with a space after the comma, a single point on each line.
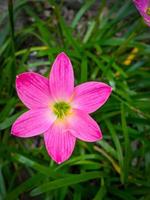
[114, 48]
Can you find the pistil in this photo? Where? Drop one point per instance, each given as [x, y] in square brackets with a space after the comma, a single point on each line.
[148, 11]
[61, 109]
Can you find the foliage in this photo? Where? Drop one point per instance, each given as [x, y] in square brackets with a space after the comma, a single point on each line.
[113, 48]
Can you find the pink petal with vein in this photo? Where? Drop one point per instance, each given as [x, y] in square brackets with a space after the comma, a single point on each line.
[84, 127]
[61, 78]
[59, 143]
[90, 96]
[142, 6]
[33, 122]
[33, 90]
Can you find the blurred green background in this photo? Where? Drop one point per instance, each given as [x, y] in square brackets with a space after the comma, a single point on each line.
[106, 41]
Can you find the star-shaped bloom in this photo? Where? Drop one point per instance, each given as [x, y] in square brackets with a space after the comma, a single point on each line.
[58, 109]
[143, 6]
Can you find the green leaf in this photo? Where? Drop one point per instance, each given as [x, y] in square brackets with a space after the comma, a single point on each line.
[101, 194]
[2, 184]
[8, 121]
[70, 180]
[81, 12]
[25, 186]
[117, 145]
[84, 69]
[127, 143]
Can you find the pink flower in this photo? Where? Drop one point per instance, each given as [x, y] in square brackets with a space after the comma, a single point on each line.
[143, 7]
[58, 109]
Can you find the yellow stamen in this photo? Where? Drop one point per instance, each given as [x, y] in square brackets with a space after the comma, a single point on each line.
[61, 109]
[131, 57]
[148, 11]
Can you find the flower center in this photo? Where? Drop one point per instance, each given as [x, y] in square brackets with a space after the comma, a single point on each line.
[148, 11]
[61, 109]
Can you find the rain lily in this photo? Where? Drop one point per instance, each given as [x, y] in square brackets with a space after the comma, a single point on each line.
[58, 109]
[143, 7]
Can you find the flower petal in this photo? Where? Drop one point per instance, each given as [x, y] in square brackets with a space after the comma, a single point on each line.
[59, 143]
[90, 96]
[61, 78]
[33, 122]
[141, 4]
[84, 127]
[147, 20]
[33, 90]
